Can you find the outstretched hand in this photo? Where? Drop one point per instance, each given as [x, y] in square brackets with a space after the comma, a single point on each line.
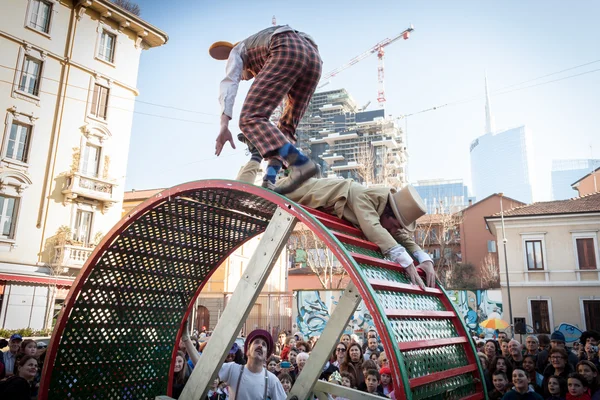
[224, 136]
[185, 336]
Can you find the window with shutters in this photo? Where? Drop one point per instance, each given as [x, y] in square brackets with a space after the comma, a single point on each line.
[586, 250]
[40, 15]
[90, 160]
[591, 313]
[99, 106]
[8, 216]
[540, 316]
[108, 42]
[31, 74]
[535, 256]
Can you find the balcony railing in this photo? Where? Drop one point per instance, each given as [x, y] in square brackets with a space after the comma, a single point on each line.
[90, 187]
[70, 256]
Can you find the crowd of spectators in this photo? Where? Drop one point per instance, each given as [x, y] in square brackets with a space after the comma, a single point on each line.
[545, 368]
[354, 363]
[20, 368]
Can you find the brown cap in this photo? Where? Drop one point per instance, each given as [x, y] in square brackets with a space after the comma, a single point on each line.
[220, 50]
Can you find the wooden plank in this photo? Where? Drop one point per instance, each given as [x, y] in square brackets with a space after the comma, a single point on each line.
[423, 344]
[398, 313]
[235, 314]
[327, 341]
[380, 284]
[340, 391]
[438, 376]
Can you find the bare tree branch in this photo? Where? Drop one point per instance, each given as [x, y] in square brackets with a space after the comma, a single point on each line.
[319, 258]
[128, 5]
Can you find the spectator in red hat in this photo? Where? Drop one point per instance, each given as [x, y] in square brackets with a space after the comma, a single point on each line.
[253, 380]
[386, 380]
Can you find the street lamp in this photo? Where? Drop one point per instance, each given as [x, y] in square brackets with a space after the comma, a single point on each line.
[512, 331]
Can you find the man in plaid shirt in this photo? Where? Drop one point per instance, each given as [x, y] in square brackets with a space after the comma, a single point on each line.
[285, 64]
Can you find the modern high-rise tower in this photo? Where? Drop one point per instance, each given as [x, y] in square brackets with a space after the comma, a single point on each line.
[349, 142]
[502, 161]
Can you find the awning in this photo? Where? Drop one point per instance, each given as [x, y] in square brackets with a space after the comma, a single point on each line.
[42, 280]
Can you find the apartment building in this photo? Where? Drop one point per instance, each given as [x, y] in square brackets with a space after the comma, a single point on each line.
[68, 75]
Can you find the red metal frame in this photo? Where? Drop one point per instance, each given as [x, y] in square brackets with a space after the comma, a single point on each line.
[423, 344]
[438, 376]
[312, 222]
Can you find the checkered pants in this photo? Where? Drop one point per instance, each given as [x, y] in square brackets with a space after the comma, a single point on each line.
[290, 67]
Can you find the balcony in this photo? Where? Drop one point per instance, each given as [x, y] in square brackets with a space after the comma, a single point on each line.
[71, 256]
[332, 158]
[88, 187]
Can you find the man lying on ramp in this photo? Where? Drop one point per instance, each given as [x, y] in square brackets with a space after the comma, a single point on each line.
[386, 217]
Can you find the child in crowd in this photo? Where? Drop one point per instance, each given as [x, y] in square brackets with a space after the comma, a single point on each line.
[386, 380]
[372, 379]
[500, 382]
[348, 380]
[366, 365]
[286, 382]
[578, 387]
[557, 387]
[272, 365]
[590, 372]
[335, 378]
[521, 390]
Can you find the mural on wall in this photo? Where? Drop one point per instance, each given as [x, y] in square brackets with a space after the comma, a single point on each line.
[312, 309]
[571, 332]
[476, 306]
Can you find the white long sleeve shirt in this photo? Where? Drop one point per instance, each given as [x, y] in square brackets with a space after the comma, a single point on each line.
[234, 72]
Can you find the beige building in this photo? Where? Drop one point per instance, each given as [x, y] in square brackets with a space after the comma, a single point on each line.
[553, 261]
[68, 74]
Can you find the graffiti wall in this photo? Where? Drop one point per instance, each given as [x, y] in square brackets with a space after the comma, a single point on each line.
[477, 306]
[312, 308]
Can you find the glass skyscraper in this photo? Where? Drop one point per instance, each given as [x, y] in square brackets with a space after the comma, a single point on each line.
[567, 172]
[502, 162]
[443, 195]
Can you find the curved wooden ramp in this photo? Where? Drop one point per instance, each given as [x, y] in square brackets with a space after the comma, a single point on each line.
[116, 336]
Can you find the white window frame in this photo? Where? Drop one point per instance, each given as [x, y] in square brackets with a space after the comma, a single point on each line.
[585, 235]
[494, 245]
[83, 160]
[85, 207]
[14, 219]
[550, 311]
[106, 83]
[104, 27]
[24, 52]
[30, 9]
[582, 309]
[526, 237]
[13, 184]
[13, 116]
[94, 135]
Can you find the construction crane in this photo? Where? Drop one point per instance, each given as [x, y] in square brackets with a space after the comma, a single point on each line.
[378, 48]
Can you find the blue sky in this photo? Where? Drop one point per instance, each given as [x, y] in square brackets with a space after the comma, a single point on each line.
[444, 61]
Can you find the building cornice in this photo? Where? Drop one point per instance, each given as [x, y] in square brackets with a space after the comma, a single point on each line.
[146, 33]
